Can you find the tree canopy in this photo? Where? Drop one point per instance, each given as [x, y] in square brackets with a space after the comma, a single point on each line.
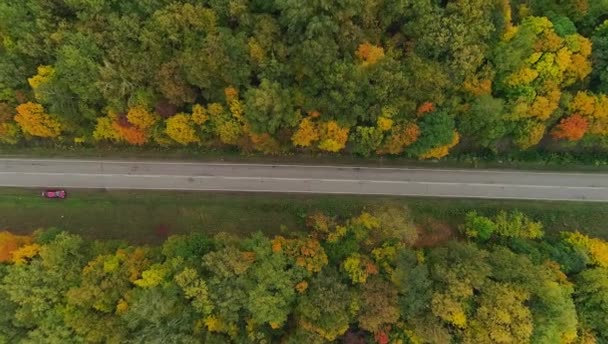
[412, 77]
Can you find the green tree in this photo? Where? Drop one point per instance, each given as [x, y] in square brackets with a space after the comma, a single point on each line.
[478, 227]
[485, 123]
[591, 297]
[326, 308]
[269, 107]
[437, 129]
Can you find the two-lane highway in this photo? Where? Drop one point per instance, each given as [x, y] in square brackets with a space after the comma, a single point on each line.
[157, 175]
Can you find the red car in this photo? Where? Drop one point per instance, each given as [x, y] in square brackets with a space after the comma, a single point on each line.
[54, 194]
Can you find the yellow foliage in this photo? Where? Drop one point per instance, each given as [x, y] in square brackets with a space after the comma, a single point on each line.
[563, 59]
[25, 253]
[367, 220]
[199, 115]
[235, 106]
[10, 242]
[45, 74]
[583, 103]
[478, 87]
[359, 267]
[229, 132]
[549, 41]
[214, 324]
[384, 123]
[104, 130]
[9, 133]
[510, 32]
[599, 126]
[369, 53]
[328, 335]
[337, 234]
[579, 44]
[34, 121]
[532, 137]
[180, 129]
[141, 118]
[533, 58]
[441, 151]
[122, 307]
[256, 52]
[580, 67]
[522, 77]
[449, 309]
[306, 134]
[333, 137]
[301, 287]
[542, 108]
[597, 249]
[601, 110]
[215, 110]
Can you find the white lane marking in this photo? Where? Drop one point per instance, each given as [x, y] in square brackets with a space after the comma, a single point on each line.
[270, 165]
[358, 181]
[579, 199]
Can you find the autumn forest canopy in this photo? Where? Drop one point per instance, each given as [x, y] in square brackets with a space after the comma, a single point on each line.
[418, 78]
[371, 278]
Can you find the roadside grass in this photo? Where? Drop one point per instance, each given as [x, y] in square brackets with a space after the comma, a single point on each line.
[551, 162]
[148, 216]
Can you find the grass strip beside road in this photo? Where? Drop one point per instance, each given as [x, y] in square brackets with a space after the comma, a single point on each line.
[547, 162]
[147, 216]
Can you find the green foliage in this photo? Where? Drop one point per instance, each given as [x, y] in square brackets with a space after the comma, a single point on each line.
[269, 107]
[591, 297]
[437, 129]
[478, 227]
[508, 286]
[516, 224]
[187, 246]
[485, 123]
[499, 68]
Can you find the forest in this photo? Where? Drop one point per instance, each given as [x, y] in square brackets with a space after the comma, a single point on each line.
[415, 78]
[369, 278]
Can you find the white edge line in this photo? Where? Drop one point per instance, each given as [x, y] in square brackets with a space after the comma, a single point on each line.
[270, 165]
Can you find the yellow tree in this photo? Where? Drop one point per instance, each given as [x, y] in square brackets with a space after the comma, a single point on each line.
[594, 109]
[180, 128]
[502, 316]
[333, 136]
[10, 243]
[306, 134]
[369, 54]
[34, 121]
[45, 74]
[104, 130]
[140, 117]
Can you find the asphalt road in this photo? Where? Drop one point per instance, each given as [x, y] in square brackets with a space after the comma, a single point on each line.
[107, 174]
